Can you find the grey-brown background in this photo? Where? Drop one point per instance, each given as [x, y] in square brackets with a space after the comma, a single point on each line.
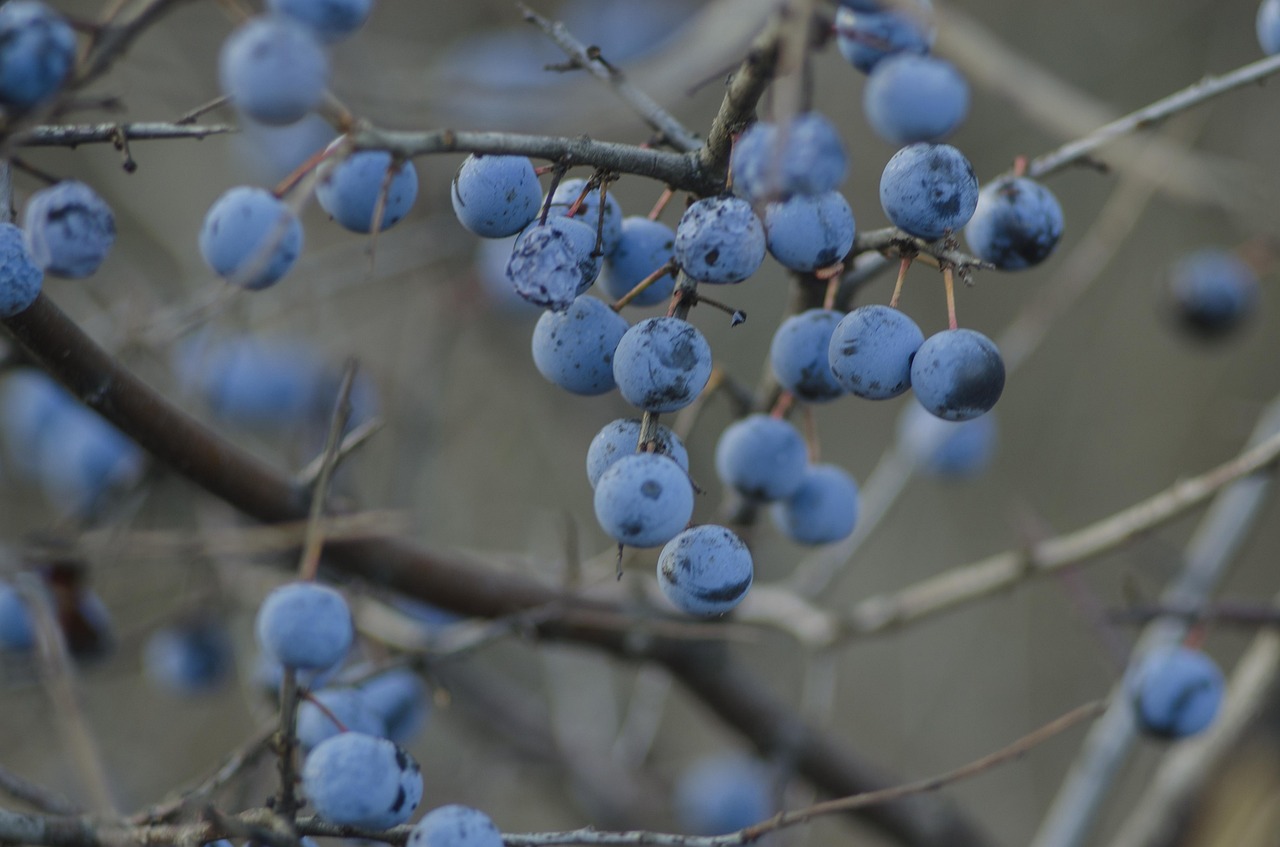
[481, 453]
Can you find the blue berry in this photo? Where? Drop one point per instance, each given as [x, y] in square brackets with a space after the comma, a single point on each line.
[705, 571]
[763, 457]
[273, 69]
[496, 196]
[69, 229]
[620, 438]
[17, 630]
[350, 190]
[255, 382]
[720, 794]
[867, 38]
[871, 351]
[20, 276]
[662, 364]
[29, 403]
[37, 53]
[554, 262]
[947, 448]
[82, 459]
[808, 158]
[499, 293]
[1017, 224]
[720, 240]
[799, 355]
[401, 699]
[250, 237]
[643, 247]
[306, 626]
[188, 658]
[823, 510]
[1176, 691]
[1268, 26]
[808, 232]
[1213, 291]
[912, 98]
[455, 826]
[330, 20]
[644, 500]
[348, 705]
[272, 153]
[957, 374]
[353, 779]
[574, 348]
[929, 190]
[610, 229]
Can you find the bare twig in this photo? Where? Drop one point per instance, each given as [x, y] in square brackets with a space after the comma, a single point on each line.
[590, 60]
[240, 760]
[1002, 571]
[680, 170]
[1148, 116]
[36, 796]
[313, 543]
[72, 135]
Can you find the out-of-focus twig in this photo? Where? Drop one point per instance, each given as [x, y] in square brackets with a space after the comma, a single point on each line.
[1209, 556]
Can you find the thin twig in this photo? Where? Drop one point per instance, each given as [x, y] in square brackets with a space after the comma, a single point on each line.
[589, 59]
[680, 170]
[36, 796]
[240, 760]
[351, 442]
[72, 135]
[1148, 116]
[314, 541]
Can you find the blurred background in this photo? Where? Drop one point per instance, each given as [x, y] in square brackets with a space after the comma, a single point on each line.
[479, 453]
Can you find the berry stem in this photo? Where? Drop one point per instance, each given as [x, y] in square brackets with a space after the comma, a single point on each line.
[897, 286]
[663, 199]
[313, 161]
[313, 541]
[658, 274]
[325, 710]
[948, 282]
[780, 409]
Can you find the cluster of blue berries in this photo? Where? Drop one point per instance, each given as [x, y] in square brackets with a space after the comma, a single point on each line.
[275, 70]
[53, 442]
[355, 772]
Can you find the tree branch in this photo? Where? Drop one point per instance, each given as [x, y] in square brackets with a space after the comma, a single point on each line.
[1148, 116]
[679, 170]
[72, 135]
[589, 59]
[461, 584]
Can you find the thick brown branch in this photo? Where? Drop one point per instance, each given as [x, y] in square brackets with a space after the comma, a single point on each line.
[457, 584]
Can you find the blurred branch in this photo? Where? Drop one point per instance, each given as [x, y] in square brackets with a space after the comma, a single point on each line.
[1004, 570]
[465, 585]
[71, 135]
[37, 796]
[1209, 555]
[590, 60]
[245, 757]
[77, 832]
[1188, 767]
